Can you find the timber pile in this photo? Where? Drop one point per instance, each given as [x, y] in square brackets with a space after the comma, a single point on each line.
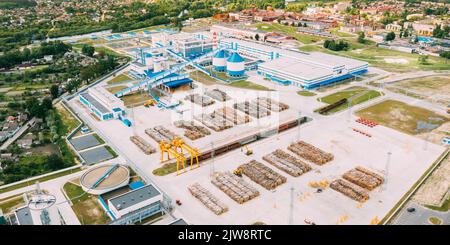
[155, 135]
[349, 189]
[166, 133]
[214, 123]
[218, 95]
[231, 115]
[311, 153]
[364, 178]
[271, 104]
[287, 163]
[199, 100]
[192, 131]
[235, 187]
[208, 199]
[142, 144]
[262, 175]
[252, 109]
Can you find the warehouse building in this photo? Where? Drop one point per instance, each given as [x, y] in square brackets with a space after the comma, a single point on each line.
[136, 205]
[104, 105]
[299, 69]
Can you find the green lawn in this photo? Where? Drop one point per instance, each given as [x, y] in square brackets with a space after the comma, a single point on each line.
[202, 78]
[389, 60]
[118, 79]
[110, 150]
[347, 93]
[401, 116]
[444, 208]
[11, 203]
[85, 206]
[116, 89]
[166, 169]
[67, 118]
[136, 99]
[43, 179]
[100, 140]
[306, 93]
[289, 30]
[435, 220]
[248, 85]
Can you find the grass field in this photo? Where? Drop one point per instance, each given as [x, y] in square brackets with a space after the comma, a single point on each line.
[9, 204]
[116, 89]
[401, 116]
[289, 30]
[67, 118]
[86, 206]
[306, 93]
[431, 84]
[435, 220]
[202, 78]
[347, 93]
[137, 99]
[43, 179]
[166, 169]
[248, 85]
[444, 208]
[390, 60]
[118, 79]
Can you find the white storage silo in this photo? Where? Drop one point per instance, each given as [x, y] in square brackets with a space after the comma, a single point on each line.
[220, 61]
[235, 65]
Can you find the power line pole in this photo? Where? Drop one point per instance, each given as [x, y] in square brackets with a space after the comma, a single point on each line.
[386, 172]
[291, 207]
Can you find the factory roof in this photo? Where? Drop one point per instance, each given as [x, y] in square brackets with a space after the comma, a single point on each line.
[315, 58]
[235, 57]
[177, 83]
[296, 68]
[95, 103]
[134, 197]
[24, 216]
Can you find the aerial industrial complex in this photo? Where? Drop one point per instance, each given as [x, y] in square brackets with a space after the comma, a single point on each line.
[190, 146]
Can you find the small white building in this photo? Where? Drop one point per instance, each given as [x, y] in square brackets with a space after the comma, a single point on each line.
[145, 197]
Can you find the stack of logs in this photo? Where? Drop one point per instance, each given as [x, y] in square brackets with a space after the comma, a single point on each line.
[218, 95]
[160, 133]
[214, 123]
[208, 199]
[235, 187]
[262, 175]
[271, 104]
[311, 153]
[364, 178]
[199, 100]
[252, 109]
[349, 189]
[192, 131]
[142, 144]
[287, 163]
[231, 115]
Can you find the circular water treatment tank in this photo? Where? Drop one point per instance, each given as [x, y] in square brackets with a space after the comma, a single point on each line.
[105, 178]
[220, 61]
[235, 65]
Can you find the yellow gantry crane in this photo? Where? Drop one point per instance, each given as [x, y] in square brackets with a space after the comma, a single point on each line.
[180, 144]
[167, 148]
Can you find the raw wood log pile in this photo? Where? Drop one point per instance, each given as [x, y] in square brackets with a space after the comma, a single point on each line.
[208, 199]
[364, 178]
[311, 153]
[215, 123]
[155, 135]
[271, 104]
[252, 109]
[235, 187]
[165, 132]
[231, 115]
[349, 189]
[218, 95]
[199, 100]
[143, 145]
[192, 131]
[287, 163]
[262, 175]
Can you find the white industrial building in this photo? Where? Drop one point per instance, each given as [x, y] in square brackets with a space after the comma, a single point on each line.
[300, 69]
